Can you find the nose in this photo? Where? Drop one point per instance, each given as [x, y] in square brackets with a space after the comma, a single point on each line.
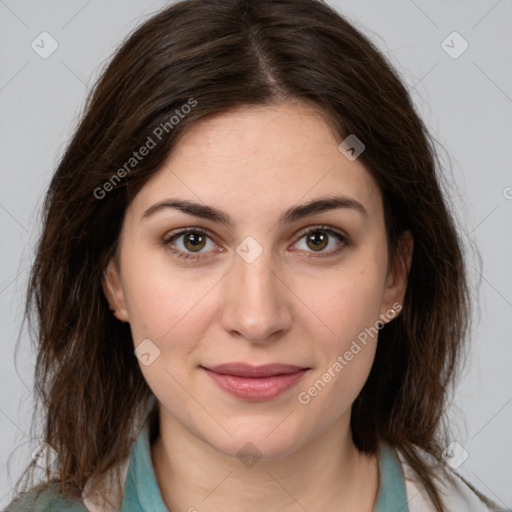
[257, 305]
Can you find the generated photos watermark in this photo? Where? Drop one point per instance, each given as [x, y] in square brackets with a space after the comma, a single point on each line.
[151, 142]
[305, 397]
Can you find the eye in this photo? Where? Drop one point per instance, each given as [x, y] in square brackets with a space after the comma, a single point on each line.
[318, 238]
[190, 241]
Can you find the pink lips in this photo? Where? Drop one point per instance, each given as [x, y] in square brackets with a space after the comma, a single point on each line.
[255, 383]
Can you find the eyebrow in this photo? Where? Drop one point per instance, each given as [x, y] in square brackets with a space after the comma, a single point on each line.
[293, 214]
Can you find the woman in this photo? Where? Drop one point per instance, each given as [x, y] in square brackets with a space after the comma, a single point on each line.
[249, 289]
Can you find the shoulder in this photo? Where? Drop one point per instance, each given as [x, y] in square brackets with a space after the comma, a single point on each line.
[458, 494]
[45, 501]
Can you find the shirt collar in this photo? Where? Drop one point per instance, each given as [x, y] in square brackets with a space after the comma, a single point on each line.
[391, 495]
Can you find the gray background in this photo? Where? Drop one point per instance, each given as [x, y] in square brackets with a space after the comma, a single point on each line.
[465, 101]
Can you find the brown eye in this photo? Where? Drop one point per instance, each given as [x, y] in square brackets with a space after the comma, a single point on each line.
[317, 240]
[194, 241]
[189, 243]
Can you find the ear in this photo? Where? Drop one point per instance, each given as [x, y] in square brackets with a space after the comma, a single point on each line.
[396, 281]
[113, 290]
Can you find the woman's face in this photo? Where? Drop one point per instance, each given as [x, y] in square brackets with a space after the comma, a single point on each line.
[248, 285]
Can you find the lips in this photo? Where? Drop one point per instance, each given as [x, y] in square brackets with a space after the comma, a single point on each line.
[245, 370]
[255, 383]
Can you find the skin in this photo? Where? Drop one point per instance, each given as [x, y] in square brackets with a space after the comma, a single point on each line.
[289, 305]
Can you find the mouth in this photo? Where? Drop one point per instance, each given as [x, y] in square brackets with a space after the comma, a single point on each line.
[255, 383]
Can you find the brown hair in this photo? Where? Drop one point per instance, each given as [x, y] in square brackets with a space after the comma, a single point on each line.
[225, 54]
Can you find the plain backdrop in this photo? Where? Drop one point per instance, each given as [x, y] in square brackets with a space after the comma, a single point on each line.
[465, 97]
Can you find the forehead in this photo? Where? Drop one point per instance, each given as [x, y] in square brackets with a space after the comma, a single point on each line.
[260, 160]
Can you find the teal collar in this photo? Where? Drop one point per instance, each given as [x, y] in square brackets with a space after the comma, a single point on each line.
[391, 496]
[141, 491]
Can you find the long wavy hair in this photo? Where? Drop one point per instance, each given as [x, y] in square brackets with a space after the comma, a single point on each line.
[225, 54]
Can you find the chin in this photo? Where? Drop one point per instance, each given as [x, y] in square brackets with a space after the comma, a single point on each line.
[256, 444]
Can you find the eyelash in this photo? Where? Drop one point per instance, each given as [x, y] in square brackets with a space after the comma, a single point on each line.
[344, 242]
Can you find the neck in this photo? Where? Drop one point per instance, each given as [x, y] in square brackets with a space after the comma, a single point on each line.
[326, 474]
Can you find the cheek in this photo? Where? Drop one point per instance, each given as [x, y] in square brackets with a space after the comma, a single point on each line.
[173, 310]
[345, 357]
[347, 303]
[166, 302]
[349, 308]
